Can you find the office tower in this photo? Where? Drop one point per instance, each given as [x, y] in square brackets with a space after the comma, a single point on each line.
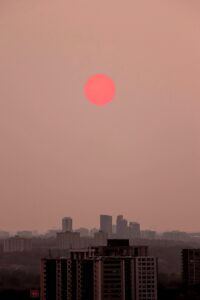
[106, 223]
[17, 244]
[191, 266]
[122, 227]
[134, 230]
[115, 272]
[67, 224]
[118, 222]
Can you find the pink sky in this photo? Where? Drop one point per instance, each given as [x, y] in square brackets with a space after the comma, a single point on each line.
[61, 155]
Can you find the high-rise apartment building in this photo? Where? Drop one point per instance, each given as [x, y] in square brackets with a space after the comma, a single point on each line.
[17, 244]
[67, 224]
[113, 272]
[106, 223]
[191, 266]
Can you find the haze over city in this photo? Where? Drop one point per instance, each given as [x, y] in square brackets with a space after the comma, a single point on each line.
[138, 155]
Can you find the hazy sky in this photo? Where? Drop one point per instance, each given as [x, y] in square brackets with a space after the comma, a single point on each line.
[62, 156]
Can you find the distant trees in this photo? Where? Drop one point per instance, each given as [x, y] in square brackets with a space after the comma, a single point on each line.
[18, 279]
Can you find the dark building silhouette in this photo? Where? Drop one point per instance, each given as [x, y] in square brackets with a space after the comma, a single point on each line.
[49, 279]
[106, 223]
[191, 266]
[113, 272]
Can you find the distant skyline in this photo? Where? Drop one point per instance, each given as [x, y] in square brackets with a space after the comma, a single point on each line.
[138, 155]
[59, 226]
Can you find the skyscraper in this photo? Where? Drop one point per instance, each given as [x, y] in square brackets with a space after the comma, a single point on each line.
[122, 227]
[106, 223]
[115, 272]
[67, 224]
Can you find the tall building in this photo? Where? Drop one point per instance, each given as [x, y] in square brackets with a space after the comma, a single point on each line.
[134, 230]
[191, 266]
[106, 223]
[122, 227]
[113, 272]
[67, 224]
[49, 278]
[67, 279]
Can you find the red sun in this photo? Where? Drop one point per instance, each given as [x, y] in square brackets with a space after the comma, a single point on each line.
[100, 89]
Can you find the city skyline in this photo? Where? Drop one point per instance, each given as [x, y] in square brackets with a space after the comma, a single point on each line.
[106, 223]
[99, 150]
[138, 155]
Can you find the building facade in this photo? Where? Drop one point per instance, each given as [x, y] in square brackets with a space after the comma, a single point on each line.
[191, 266]
[68, 240]
[113, 272]
[17, 244]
